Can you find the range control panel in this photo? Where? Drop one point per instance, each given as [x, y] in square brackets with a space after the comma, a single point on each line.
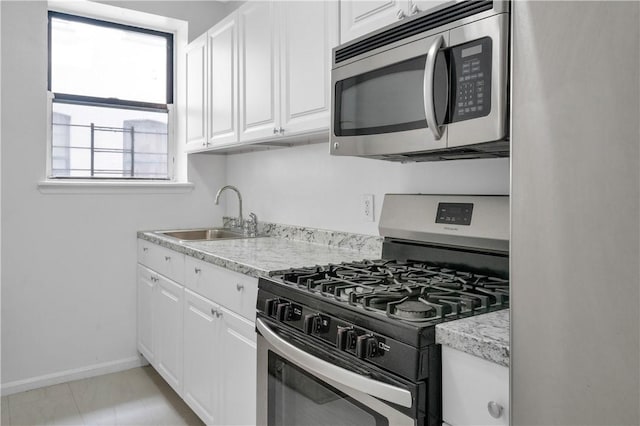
[359, 342]
[348, 338]
[471, 79]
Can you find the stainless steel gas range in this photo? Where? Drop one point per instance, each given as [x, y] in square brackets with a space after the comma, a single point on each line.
[354, 343]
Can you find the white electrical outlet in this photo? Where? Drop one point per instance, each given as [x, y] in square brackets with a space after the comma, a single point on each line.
[367, 208]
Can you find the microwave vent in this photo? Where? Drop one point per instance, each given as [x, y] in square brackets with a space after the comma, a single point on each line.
[498, 149]
[415, 26]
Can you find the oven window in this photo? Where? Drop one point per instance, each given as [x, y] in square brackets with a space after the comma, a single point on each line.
[298, 398]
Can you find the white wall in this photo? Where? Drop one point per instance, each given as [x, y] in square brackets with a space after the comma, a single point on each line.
[575, 215]
[306, 186]
[200, 14]
[68, 276]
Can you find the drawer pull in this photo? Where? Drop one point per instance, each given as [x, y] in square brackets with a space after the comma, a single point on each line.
[154, 279]
[167, 258]
[495, 409]
[196, 270]
[239, 287]
[216, 312]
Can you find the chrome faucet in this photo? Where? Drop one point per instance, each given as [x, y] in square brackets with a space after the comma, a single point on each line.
[240, 220]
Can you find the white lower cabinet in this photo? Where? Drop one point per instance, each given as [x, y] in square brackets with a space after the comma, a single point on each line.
[219, 363]
[469, 385]
[145, 290]
[159, 313]
[238, 370]
[201, 356]
[199, 336]
[168, 331]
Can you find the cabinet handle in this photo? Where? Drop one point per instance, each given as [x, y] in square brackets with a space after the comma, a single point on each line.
[145, 248]
[400, 14]
[239, 287]
[495, 409]
[216, 312]
[281, 130]
[275, 131]
[196, 270]
[167, 258]
[154, 279]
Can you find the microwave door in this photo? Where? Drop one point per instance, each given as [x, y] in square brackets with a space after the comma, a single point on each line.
[381, 102]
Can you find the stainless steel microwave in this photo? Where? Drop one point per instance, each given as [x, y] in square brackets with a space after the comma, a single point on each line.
[433, 87]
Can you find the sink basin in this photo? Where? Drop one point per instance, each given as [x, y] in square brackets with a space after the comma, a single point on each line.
[203, 234]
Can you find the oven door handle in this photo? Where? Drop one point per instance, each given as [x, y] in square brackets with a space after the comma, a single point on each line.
[332, 372]
[427, 88]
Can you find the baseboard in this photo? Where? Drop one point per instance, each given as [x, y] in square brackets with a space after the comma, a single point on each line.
[70, 375]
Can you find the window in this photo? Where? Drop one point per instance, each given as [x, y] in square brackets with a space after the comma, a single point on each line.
[112, 93]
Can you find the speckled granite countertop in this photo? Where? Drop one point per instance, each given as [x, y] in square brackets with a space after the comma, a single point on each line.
[485, 336]
[284, 247]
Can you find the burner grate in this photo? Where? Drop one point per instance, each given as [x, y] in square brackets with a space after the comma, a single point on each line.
[413, 291]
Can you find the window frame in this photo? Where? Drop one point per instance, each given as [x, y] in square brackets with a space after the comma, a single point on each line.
[114, 102]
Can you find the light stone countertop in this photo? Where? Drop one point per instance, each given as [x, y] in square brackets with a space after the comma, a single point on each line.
[485, 336]
[271, 254]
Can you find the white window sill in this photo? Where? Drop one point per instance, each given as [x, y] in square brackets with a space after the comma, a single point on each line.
[113, 187]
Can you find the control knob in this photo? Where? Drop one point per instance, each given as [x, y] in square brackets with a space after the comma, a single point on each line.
[366, 346]
[314, 324]
[283, 311]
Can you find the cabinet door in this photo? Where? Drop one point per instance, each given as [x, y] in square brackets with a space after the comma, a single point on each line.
[196, 88]
[358, 18]
[238, 346]
[168, 331]
[145, 289]
[419, 6]
[309, 30]
[223, 82]
[469, 384]
[201, 356]
[259, 84]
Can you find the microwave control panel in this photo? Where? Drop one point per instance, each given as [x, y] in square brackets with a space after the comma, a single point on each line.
[471, 79]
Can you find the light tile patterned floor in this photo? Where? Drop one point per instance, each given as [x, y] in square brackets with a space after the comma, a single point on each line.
[136, 397]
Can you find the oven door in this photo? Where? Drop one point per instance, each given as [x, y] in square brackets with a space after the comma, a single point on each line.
[298, 386]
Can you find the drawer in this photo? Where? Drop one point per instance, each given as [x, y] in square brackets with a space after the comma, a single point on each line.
[469, 384]
[162, 260]
[236, 292]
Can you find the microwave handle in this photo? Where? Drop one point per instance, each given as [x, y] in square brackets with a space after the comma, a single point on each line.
[332, 372]
[427, 87]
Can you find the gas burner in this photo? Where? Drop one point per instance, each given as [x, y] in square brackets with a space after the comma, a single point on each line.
[413, 310]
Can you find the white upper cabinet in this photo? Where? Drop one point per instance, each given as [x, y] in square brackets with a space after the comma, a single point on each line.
[212, 87]
[308, 33]
[259, 84]
[196, 88]
[267, 75]
[223, 82]
[358, 18]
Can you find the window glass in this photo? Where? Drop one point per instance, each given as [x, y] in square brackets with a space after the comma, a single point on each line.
[112, 86]
[93, 60]
[91, 141]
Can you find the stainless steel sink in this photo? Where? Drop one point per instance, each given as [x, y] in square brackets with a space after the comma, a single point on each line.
[203, 234]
